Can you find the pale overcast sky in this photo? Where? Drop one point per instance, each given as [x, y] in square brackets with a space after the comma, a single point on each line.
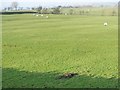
[50, 3]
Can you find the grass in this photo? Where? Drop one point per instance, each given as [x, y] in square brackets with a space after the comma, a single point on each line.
[36, 50]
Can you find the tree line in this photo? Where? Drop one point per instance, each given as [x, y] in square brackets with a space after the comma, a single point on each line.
[56, 10]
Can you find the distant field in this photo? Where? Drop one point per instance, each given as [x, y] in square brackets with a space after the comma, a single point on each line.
[37, 50]
[93, 11]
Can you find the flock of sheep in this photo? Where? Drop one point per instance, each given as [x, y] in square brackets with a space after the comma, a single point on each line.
[105, 24]
[41, 15]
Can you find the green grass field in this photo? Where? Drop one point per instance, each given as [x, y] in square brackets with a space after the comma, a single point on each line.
[37, 50]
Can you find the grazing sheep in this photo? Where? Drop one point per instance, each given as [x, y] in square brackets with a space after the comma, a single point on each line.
[37, 15]
[65, 13]
[105, 24]
[42, 15]
[46, 16]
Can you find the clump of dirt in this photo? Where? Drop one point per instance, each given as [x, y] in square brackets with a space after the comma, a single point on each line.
[5, 45]
[67, 75]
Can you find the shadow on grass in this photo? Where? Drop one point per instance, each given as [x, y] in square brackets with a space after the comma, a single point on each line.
[13, 78]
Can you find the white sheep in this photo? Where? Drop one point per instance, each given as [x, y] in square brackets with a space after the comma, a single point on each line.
[46, 16]
[42, 15]
[65, 13]
[105, 24]
[37, 15]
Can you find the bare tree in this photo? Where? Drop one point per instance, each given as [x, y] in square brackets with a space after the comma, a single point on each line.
[14, 5]
[33, 8]
[5, 9]
[80, 12]
[56, 10]
[9, 8]
[113, 12]
[44, 11]
[102, 11]
[71, 11]
[39, 9]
